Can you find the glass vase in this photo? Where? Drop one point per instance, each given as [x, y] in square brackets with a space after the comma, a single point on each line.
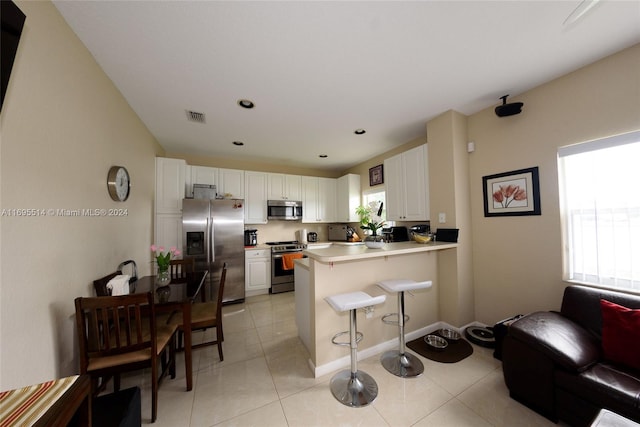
[163, 278]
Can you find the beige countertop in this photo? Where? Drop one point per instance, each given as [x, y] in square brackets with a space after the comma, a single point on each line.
[259, 247]
[302, 262]
[345, 253]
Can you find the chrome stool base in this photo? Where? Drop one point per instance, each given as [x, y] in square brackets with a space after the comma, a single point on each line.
[403, 365]
[355, 390]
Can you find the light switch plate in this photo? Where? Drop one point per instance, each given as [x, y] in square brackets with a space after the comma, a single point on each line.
[442, 218]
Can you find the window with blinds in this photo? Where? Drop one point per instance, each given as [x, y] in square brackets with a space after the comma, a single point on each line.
[600, 211]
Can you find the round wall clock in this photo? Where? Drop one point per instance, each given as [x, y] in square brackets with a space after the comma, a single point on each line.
[118, 183]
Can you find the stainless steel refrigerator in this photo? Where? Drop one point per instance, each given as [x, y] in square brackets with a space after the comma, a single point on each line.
[213, 233]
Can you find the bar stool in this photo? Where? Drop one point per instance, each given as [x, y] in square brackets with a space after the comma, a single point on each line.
[353, 388]
[398, 362]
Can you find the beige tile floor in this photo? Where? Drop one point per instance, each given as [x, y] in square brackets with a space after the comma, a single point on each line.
[265, 381]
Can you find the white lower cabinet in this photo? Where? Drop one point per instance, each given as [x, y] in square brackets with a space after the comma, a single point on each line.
[257, 267]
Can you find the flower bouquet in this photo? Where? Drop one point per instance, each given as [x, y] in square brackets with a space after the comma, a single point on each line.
[163, 260]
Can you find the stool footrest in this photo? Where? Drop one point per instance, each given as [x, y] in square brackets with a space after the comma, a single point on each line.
[359, 337]
[388, 318]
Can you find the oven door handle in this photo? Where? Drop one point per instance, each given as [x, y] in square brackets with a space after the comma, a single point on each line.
[278, 256]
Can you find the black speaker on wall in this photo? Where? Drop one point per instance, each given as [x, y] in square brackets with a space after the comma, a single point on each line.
[12, 21]
[511, 109]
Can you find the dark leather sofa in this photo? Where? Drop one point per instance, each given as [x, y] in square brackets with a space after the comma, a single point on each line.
[554, 362]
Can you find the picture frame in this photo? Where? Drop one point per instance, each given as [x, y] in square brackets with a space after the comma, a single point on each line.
[514, 193]
[376, 176]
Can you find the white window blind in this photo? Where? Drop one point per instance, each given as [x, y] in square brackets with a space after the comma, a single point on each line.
[600, 210]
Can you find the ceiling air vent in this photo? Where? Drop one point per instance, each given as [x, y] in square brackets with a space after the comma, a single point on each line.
[194, 116]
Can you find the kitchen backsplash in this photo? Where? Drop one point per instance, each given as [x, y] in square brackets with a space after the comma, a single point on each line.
[276, 231]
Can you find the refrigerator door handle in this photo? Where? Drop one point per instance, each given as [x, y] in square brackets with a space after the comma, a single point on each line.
[211, 255]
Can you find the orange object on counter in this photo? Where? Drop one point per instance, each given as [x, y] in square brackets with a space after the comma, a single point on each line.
[288, 260]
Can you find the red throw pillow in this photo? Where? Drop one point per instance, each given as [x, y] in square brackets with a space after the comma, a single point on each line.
[620, 334]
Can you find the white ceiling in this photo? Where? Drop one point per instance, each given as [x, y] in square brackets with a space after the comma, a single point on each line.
[317, 70]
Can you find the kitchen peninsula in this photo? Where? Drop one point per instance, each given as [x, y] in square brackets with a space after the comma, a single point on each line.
[340, 269]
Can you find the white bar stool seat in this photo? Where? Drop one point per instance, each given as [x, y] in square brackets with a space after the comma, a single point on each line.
[398, 362]
[353, 387]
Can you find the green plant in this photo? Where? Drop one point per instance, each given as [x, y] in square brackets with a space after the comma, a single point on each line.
[369, 218]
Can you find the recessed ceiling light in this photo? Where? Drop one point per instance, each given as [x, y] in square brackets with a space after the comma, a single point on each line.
[238, 143]
[323, 156]
[360, 131]
[245, 103]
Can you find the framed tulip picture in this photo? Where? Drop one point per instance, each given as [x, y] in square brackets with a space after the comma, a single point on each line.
[376, 176]
[514, 193]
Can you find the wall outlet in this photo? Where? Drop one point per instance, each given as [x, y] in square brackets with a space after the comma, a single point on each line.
[442, 218]
[368, 311]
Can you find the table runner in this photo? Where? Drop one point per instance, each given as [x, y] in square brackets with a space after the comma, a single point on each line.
[24, 406]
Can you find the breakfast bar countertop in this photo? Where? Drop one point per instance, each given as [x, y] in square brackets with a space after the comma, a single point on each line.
[337, 253]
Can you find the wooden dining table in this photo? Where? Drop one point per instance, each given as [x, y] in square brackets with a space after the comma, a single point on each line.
[183, 293]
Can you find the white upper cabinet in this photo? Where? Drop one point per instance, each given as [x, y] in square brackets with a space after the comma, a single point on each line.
[231, 183]
[407, 185]
[318, 199]
[201, 175]
[168, 231]
[284, 187]
[170, 185]
[348, 198]
[255, 197]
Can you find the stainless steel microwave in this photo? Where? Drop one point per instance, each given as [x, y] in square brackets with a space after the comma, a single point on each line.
[290, 210]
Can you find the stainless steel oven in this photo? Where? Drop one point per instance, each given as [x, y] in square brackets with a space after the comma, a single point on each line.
[282, 280]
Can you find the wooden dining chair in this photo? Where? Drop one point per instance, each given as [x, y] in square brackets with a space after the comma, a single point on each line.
[206, 315]
[119, 334]
[179, 268]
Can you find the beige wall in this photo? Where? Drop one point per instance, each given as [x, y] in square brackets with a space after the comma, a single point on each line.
[63, 125]
[449, 194]
[518, 260]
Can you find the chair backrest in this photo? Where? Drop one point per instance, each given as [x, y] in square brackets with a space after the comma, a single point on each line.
[100, 285]
[109, 326]
[134, 269]
[223, 277]
[181, 267]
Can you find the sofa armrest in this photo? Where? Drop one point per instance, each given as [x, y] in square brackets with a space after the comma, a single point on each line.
[562, 340]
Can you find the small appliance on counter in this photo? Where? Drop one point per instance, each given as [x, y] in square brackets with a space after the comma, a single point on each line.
[395, 234]
[421, 228]
[312, 237]
[301, 236]
[251, 237]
